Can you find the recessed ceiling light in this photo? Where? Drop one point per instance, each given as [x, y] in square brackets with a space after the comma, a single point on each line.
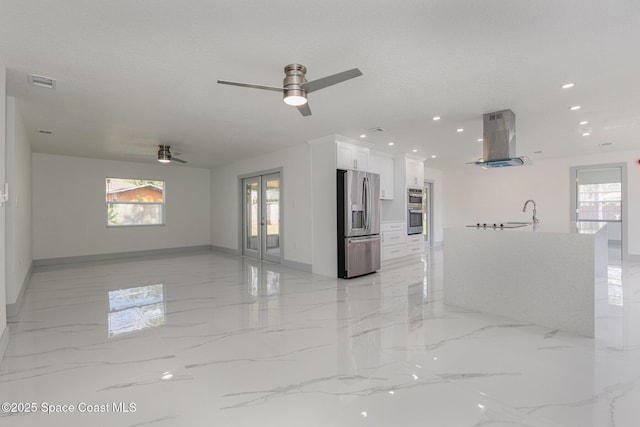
[460, 130]
[433, 156]
[436, 118]
[363, 135]
[568, 85]
[415, 150]
[574, 108]
[45, 131]
[392, 143]
[41, 81]
[586, 134]
[479, 139]
[584, 122]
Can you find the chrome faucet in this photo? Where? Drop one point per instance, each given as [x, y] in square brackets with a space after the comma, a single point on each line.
[524, 209]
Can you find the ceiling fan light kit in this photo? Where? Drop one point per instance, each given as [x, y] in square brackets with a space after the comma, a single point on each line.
[294, 97]
[294, 93]
[295, 86]
[164, 155]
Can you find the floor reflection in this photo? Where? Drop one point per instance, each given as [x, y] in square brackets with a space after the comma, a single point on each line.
[416, 297]
[262, 285]
[614, 286]
[359, 330]
[136, 308]
[259, 284]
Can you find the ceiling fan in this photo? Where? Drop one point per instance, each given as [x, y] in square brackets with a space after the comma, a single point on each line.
[165, 156]
[295, 86]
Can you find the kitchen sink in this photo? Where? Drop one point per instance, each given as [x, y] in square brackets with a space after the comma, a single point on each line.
[515, 224]
[509, 224]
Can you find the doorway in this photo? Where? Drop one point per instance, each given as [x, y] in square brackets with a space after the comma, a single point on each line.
[427, 213]
[261, 217]
[598, 194]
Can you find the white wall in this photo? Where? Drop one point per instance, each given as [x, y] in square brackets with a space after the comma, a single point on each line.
[4, 334]
[435, 176]
[474, 194]
[69, 207]
[226, 216]
[18, 220]
[324, 204]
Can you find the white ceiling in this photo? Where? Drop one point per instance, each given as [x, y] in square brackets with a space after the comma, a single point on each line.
[133, 74]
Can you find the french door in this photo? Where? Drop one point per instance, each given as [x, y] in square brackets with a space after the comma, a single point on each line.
[598, 193]
[262, 225]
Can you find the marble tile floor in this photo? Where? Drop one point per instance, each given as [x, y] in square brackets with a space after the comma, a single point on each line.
[208, 339]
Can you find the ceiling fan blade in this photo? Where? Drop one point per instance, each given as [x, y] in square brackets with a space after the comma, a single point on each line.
[275, 89]
[175, 159]
[304, 109]
[331, 80]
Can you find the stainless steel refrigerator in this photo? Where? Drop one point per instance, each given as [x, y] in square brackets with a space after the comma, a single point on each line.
[358, 223]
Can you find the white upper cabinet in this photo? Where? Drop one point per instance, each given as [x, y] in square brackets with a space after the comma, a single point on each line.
[415, 172]
[351, 156]
[382, 164]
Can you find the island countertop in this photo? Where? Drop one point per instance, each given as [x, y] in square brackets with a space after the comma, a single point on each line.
[581, 227]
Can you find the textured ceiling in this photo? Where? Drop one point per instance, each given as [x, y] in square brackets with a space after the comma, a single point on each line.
[133, 74]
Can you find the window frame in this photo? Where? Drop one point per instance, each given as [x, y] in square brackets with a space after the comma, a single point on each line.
[163, 204]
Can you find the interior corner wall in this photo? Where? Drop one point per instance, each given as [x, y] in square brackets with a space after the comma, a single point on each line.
[69, 211]
[226, 214]
[324, 224]
[4, 333]
[474, 194]
[18, 210]
[437, 200]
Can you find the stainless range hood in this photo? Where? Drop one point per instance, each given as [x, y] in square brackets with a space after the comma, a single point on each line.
[499, 141]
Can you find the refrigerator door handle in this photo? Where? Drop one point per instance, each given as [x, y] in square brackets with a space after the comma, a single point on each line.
[364, 204]
[368, 204]
[361, 239]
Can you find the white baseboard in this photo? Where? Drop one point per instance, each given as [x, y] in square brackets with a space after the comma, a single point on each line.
[118, 255]
[12, 309]
[4, 342]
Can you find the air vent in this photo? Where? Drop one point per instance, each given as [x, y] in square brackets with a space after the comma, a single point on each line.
[41, 81]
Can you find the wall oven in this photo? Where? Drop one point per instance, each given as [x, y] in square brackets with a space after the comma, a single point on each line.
[414, 197]
[414, 210]
[414, 221]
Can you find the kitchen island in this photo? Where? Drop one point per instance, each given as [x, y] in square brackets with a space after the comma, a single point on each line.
[544, 274]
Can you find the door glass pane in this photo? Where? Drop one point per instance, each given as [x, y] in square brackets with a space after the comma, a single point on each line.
[252, 220]
[599, 195]
[272, 213]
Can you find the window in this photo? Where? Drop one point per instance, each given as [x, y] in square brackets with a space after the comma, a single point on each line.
[134, 202]
[599, 202]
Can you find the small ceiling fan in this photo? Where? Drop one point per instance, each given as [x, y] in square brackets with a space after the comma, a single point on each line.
[165, 156]
[295, 86]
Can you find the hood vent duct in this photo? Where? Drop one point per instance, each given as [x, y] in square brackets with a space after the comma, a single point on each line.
[499, 141]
